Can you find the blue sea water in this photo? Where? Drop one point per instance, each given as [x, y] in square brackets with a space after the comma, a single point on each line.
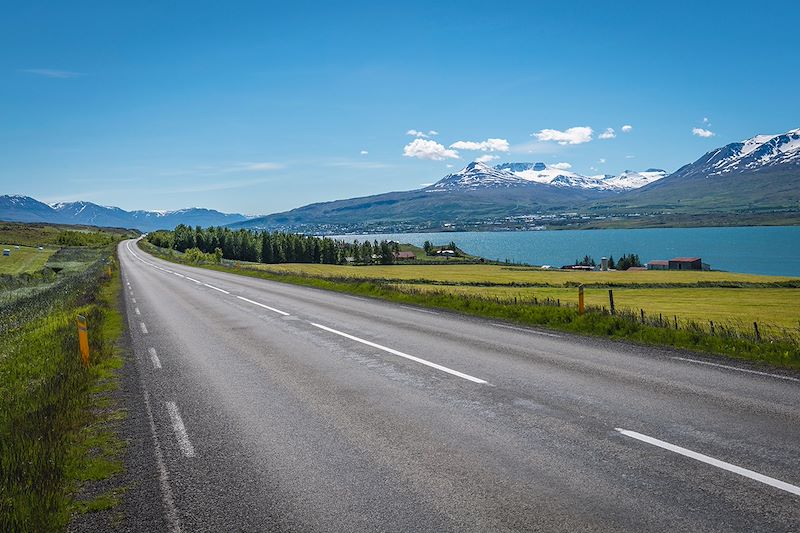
[756, 250]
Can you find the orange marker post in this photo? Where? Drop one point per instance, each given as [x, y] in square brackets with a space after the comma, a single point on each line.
[83, 339]
[581, 307]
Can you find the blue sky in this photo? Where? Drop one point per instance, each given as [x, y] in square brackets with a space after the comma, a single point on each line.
[260, 107]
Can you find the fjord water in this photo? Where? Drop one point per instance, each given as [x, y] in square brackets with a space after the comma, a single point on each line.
[754, 249]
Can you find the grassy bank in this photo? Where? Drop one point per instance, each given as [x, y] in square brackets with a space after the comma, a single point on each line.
[24, 259]
[780, 348]
[57, 420]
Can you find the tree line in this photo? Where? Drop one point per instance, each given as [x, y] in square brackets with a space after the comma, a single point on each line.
[624, 263]
[273, 247]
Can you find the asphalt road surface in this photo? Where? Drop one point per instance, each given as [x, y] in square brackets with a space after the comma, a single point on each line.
[276, 407]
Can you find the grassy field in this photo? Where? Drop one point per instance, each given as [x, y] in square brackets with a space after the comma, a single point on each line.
[24, 259]
[771, 307]
[505, 275]
[39, 234]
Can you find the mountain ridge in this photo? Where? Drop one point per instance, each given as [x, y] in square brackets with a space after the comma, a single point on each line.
[18, 208]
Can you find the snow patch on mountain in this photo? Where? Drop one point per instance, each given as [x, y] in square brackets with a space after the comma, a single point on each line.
[478, 175]
[760, 151]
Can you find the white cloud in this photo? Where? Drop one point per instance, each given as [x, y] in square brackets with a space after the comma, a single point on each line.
[562, 166]
[487, 158]
[576, 135]
[264, 165]
[426, 149]
[627, 128]
[630, 156]
[427, 184]
[608, 134]
[363, 152]
[489, 145]
[449, 165]
[700, 132]
[705, 120]
[52, 73]
[601, 160]
[422, 134]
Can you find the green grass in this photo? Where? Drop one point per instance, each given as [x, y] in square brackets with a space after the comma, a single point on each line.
[771, 307]
[780, 349]
[24, 259]
[40, 234]
[57, 419]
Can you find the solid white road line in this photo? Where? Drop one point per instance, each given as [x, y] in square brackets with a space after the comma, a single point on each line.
[714, 462]
[180, 430]
[136, 310]
[737, 369]
[284, 313]
[525, 330]
[133, 300]
[163, 475]
[401, 354]
[216, 288]
[196, 281]
[154, 358]
[144, 328]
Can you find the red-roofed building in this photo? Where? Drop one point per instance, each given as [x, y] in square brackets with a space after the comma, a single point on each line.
[405, 256]
[686, 263]
[658, 265]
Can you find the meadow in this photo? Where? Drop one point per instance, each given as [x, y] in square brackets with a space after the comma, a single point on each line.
[487, 275]
[24, 259]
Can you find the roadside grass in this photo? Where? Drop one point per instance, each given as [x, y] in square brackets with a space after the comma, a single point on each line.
[24, 259]
[57, 418]
[779, 350]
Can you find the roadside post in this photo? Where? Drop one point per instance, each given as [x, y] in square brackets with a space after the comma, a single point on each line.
[581, 307]
[611, 300]
[83, 339]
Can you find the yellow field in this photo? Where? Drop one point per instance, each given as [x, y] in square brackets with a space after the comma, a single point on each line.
[508, 275]
[23, 260]
[769, 307]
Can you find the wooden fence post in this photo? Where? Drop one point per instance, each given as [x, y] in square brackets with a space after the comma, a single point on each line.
[581, 307]
[642, 312]
[611, 300]
[758, 335]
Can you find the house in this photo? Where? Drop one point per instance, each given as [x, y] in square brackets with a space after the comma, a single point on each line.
[405, 256]
[686, 263]
[446, 253]
[658, 265]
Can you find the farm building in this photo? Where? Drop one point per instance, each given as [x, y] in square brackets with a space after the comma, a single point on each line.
[658, 265]
[405, 256]
[686, 263]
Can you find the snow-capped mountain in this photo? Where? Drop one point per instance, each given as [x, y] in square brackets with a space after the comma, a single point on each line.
[757, 173]
[26, 209]
[631, 179]
[751, 155]
[479, 175]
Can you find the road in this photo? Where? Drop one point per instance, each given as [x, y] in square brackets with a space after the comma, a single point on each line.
[276, 407]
